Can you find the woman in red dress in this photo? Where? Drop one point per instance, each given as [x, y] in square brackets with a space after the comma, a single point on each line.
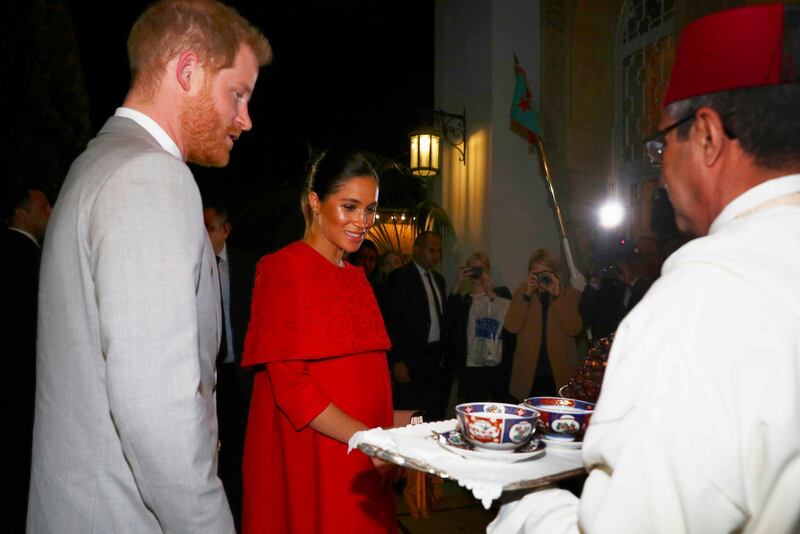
[318, 344]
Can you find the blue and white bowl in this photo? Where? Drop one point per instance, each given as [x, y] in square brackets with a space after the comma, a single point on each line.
[495, 425]
[563, 419]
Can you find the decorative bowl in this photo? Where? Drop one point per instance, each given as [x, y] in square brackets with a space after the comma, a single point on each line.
[495, 425]
[562, 419]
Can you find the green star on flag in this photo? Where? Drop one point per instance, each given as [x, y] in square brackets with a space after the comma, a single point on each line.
[523, 111]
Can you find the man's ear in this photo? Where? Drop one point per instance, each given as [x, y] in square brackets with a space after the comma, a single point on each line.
[709, 135]
[187, 70]
[21, 214]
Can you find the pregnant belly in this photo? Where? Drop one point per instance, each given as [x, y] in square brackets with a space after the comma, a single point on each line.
[358, 384]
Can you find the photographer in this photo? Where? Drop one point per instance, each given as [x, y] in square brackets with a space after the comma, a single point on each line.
[543, 308]
[481, 346]
[618, 282]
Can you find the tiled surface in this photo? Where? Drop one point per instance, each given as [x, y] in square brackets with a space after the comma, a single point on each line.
[457, 512]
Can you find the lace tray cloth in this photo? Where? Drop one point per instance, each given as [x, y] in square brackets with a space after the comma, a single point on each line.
[417, 447]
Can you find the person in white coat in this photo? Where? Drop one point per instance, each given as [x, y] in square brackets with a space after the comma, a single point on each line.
[125, 432]
[697, 428]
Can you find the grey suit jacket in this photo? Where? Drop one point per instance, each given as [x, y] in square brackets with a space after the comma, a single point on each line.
[125, 430]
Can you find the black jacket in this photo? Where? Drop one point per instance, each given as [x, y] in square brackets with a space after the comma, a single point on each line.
[603, 309]
[407, 316]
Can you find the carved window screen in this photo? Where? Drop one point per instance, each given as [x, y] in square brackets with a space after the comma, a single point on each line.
[644, 55]
[645, 51]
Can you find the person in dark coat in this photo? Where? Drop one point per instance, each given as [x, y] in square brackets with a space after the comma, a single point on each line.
[27, 212]
[416, 324]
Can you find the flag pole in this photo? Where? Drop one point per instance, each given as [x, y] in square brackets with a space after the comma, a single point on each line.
[523, 113]
[549, 179]
[577, 280]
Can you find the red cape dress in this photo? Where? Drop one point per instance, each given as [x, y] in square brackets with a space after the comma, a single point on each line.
[318, 337]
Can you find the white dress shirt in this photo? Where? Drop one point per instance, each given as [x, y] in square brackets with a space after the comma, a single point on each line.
[434, 334]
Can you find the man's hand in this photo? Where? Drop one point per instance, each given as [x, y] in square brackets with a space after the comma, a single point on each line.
[402, 418]
[400, 372]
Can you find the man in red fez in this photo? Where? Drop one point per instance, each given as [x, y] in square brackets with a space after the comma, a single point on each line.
[697, 428]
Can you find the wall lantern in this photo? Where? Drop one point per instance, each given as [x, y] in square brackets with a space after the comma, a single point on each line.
[425, 142]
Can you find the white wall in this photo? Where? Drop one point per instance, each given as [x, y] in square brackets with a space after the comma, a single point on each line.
[498, 202]
[463, 79]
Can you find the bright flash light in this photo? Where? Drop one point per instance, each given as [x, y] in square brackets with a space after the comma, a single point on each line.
[611, 214]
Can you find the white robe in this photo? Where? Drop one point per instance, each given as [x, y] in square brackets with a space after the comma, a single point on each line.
[697, 428]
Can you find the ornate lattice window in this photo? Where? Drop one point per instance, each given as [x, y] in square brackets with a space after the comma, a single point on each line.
[644, 56]
[645, 51]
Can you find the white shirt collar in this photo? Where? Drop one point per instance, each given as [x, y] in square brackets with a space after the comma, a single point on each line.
[753, 197]
[23, 232]
[223, 254]
[152, 128]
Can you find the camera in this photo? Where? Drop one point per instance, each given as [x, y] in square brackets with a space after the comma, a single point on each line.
[544, 279]
[476, 272]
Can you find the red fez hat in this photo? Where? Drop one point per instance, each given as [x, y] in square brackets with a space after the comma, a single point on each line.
[737, 48]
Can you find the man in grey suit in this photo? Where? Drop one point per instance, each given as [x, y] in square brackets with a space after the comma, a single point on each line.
[125, 432]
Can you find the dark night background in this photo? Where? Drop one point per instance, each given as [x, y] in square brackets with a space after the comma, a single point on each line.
[345, 72]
